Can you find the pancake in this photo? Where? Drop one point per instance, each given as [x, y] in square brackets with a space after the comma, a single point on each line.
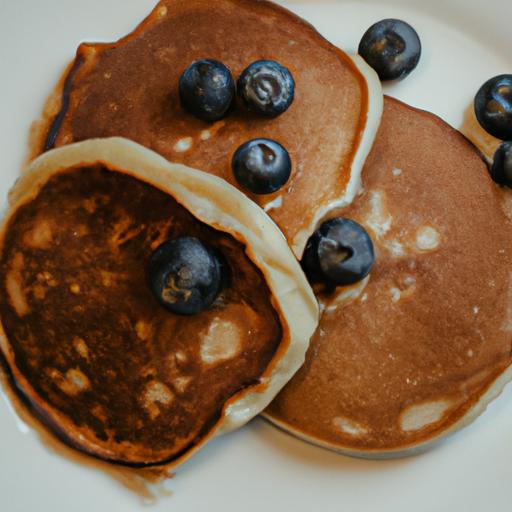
[130, 89]
[419, 348]
[105, 366]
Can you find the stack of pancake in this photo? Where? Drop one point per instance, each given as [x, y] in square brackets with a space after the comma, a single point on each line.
[381, 368]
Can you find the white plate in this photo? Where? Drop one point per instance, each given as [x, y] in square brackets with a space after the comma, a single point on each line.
[259, 468]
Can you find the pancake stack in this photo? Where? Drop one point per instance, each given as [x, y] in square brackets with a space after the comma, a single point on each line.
[382, 368]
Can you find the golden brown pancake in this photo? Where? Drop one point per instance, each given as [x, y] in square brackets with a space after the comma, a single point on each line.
[130, 89]
[421, 347]
[103, 364]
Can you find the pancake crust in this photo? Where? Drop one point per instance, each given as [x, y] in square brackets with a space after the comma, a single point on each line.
[106, 367]
[85, 305]
[426, 343]
[130, 89]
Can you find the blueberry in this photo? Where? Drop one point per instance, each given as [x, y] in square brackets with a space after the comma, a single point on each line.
[261, 166]
[207, 89]
[392, 48]
[501, 169]
[185, 275]
[340, 252]
[266, 87]
[493, 106]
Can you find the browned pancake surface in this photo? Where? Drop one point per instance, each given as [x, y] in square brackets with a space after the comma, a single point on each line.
[417, 347]
[130, 88]
[109, 368]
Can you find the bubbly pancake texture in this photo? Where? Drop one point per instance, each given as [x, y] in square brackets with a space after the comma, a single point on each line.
[422, 346]
[130, 89]
[103, 364]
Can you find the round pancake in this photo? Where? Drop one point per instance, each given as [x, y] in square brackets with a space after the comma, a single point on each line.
[130, 89]
[419, 348]
[103, 364]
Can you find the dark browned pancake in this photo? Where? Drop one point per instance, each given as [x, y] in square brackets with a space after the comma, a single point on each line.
[421, 347]
[103, 364]
[130, 88]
